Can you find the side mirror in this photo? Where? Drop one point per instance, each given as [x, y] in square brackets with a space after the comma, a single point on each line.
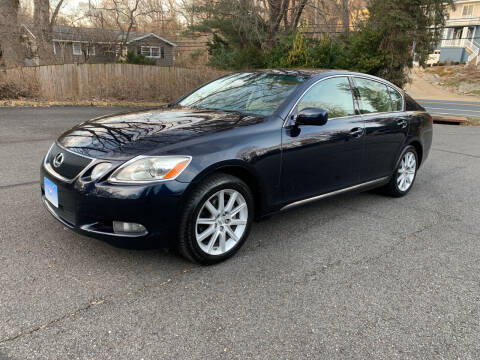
[312, 116]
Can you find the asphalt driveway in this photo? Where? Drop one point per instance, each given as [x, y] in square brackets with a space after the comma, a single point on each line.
[360, 276]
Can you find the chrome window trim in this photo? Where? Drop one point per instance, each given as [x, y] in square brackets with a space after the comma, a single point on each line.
[383, 82]
[315, 83]
[336, 192]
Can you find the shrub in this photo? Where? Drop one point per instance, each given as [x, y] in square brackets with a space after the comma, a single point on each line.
[363, 53]
[297, 51]
[327, 53]
[224, 56]
[138, 59]
[18, 85]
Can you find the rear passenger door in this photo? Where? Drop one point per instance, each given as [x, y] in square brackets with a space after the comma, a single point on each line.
[386, 127]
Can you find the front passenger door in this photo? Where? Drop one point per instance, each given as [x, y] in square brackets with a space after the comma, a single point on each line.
[321, 159]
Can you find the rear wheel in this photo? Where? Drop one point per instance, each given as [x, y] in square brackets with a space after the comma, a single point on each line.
[216, 219]
[405, 173]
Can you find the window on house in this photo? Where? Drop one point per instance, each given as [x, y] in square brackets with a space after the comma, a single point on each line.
[162, 52]
[154, 52]
[77, 48]
[468, 10]
[151, 51]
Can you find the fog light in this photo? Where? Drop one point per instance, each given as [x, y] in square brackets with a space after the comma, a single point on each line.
[120, 227]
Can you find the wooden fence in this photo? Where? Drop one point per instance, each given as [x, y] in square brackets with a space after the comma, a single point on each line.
[109, 81]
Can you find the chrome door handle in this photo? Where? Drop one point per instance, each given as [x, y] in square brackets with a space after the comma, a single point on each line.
[356, 132]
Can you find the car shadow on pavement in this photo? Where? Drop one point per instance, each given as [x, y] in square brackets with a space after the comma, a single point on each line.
[128, 244]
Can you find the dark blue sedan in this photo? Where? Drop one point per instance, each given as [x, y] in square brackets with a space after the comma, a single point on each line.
[196, 173]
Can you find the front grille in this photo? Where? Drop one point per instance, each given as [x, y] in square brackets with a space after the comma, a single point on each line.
[71, 165]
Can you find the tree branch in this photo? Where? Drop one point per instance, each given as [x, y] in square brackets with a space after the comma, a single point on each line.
[55, 13]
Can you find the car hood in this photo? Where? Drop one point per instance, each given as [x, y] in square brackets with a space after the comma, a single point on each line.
[126, 135]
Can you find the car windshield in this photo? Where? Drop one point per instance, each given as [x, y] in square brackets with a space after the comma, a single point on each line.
[248, 93]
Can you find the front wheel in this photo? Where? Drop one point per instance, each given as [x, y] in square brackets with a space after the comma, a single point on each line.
[216, 219]
[405, 173]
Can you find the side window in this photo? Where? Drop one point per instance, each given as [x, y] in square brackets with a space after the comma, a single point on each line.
[334, 95]
[374, 96]
[397, 101]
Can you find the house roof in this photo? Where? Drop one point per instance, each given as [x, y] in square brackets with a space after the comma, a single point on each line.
[148, 35]
[97, 35]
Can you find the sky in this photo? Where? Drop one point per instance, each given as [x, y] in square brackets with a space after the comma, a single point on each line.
[73, 6]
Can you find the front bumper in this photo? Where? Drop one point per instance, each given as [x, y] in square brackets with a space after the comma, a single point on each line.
[90, 208]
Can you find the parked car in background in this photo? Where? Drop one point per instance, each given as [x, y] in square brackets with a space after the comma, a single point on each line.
[196, 173]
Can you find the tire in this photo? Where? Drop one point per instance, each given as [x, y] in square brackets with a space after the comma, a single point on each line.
[397, 188]
[208, 238]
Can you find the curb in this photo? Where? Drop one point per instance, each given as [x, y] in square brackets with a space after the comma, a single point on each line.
[439, 119]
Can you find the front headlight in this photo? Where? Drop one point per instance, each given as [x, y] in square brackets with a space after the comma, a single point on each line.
[144, 169]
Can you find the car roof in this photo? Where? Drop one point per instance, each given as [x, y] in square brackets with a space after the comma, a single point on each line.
[306, 73]
[312, 73]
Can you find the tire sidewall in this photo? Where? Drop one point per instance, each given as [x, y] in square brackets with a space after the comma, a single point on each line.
[395, 175]
[243, 189]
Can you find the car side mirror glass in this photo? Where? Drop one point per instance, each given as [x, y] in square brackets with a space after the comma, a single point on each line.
[312, 116]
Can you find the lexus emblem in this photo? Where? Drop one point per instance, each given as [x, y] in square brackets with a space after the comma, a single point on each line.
[58, 160]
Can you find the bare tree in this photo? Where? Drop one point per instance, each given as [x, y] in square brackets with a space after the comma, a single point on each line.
[43, 27]
[334, 17]
[11, 39]
[288, 11]
[121, 14]
[161, 16]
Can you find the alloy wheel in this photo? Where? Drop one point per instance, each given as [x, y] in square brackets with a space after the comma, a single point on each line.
[221, 222]
[406, 171]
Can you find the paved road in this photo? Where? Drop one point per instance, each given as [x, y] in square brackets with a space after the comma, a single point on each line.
[459, 108]
[361, 276]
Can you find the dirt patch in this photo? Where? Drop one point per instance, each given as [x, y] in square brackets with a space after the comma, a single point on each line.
[425, 85]
[459, 79]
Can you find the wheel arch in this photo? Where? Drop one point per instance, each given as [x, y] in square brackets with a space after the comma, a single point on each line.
[242, 171]
[419, 148]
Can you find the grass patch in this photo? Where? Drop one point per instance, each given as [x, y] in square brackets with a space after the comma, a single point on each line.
[452, 82]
